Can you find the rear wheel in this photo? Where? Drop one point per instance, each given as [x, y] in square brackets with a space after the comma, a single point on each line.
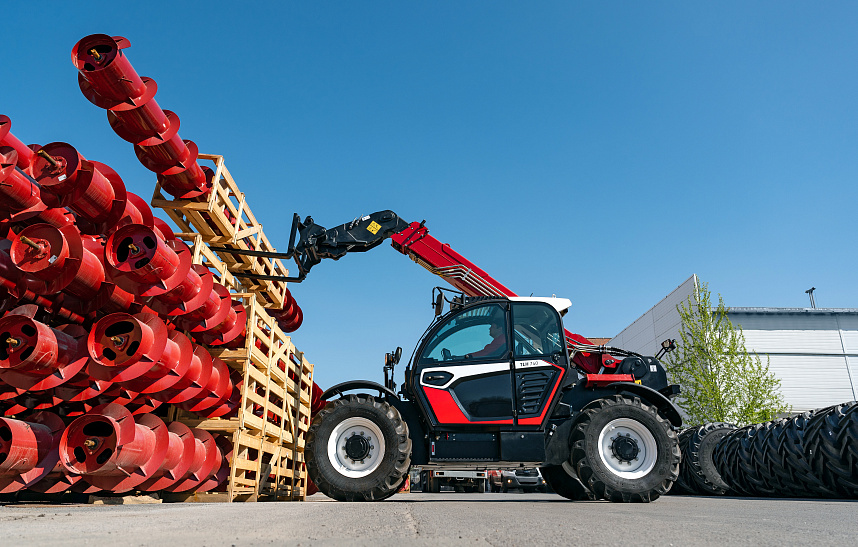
[563, 480]
[358, 449]
[623, 451]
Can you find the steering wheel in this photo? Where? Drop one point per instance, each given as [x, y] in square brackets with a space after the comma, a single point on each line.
[446, 354]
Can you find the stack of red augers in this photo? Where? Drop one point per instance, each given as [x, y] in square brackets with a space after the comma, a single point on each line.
[98, 298]
[104, 318]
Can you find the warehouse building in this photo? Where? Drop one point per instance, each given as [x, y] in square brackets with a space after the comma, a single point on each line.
[813, 351]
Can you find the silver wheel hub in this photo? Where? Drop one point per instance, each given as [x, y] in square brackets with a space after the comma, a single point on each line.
[356, 447]
[628, 448]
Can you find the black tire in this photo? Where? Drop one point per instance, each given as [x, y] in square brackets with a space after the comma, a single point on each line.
[661, 455]
[789, 467]
[725, 458]
[697, 458]
[386, 471]
[504, 489]
[831, 448]
[744, 470]
[564, 481]
[684, 484]
[759, 467]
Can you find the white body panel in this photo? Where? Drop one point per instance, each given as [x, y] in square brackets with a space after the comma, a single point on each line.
[463, 371]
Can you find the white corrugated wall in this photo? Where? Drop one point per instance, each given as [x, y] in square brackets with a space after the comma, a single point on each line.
[811, 352]
[814, 353]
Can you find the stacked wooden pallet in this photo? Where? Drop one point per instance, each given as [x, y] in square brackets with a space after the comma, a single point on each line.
[225, 220]
[268, 433]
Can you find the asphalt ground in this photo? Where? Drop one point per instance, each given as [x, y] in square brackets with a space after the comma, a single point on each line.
[440, 519]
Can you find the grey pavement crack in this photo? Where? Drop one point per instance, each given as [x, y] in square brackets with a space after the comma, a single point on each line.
[412, 521]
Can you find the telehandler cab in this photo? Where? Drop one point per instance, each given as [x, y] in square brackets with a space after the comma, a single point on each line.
[509, 399]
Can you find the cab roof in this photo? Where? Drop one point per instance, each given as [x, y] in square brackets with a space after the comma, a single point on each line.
[559, 304]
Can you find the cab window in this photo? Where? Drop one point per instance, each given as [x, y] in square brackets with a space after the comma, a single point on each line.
[536, 329]
[478, 333]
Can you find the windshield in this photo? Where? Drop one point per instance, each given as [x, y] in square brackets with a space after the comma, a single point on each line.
[479, 332]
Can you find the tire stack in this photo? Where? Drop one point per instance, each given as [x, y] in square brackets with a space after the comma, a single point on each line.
[813, 454]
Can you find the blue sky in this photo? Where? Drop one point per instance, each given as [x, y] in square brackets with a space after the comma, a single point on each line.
[602, 152]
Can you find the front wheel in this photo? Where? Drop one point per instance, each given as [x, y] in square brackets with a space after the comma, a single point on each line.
[358, 449]
[623, 451]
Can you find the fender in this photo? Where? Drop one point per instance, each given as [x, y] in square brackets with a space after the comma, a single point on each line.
[665, 406]
[339, 389]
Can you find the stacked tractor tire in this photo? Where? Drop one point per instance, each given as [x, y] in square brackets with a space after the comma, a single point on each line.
[811, 455]
[104, 319]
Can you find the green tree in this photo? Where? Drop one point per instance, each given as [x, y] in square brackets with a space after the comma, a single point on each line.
[721, 381]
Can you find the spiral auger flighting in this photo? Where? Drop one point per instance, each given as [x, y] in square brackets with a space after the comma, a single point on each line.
[116, 451]
[28, 450]
[108, 80]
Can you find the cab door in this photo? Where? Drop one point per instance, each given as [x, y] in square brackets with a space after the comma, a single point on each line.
[464, 368]
[539, 360]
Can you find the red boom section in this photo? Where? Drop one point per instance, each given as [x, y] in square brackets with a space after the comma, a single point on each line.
[441, 260]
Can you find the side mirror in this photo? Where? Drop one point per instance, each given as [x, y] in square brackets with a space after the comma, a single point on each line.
[439, 304]
[391, 359]
[666, 347]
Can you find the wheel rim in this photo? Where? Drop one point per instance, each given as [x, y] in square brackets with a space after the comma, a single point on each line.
[371, 438]
[627, 448]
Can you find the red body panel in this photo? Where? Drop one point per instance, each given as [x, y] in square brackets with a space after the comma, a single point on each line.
[601, 380]
[446, 409]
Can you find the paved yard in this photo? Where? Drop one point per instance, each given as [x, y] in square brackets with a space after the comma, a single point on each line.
[441, 519]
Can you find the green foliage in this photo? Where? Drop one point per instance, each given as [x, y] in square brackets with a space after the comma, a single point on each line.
[720, 381]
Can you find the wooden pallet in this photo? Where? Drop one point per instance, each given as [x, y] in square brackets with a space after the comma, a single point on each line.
[225, 220]
[268, 434]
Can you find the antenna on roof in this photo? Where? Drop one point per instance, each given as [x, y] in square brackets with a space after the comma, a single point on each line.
[810, 294]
